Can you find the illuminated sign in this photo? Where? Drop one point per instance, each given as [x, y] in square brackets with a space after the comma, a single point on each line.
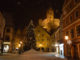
[6, 43]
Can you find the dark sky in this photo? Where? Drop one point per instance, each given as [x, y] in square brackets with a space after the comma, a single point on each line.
[25, 10]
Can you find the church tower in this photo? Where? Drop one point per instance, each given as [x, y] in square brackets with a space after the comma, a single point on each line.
[50, 14]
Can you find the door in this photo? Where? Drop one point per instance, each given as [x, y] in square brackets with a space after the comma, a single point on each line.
[75, 52]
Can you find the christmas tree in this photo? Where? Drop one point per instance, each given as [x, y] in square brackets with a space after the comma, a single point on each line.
[31, 42]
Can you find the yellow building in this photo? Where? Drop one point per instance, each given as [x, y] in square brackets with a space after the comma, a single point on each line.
[50, 24]
[43, 40]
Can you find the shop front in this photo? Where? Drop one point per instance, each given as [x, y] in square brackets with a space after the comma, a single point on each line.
[6, 47]
[61, 49]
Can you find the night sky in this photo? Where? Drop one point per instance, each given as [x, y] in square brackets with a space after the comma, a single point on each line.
[25, 10]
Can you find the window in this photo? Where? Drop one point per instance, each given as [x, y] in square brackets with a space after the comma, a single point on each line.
[76, 13]
[42, 40]
[75, 0]
[70, 18]
[38, 30]
[8, 30]
[67, 33]
[50, 13]
[42, 34]
[7, 38]
[66, 22]
[48, 39]
[72, 33]
[78, 30]
[70, 5]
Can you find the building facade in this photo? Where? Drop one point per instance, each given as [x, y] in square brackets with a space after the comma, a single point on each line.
[71, 28]
[8, 33]
[49, 25]
[2, 26]
[8, 39]
[43, 41]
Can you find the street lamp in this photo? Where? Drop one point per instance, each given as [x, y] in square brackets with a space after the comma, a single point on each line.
[68, 41]
[66, 37]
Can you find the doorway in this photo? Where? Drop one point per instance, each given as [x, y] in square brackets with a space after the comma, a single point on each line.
[75, 52]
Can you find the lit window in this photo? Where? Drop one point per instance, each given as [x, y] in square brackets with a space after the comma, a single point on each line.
[6, 48]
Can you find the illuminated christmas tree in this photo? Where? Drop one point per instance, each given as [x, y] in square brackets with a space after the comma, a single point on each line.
[31, 42]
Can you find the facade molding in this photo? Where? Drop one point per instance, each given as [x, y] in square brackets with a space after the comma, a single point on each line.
[72, 10]
[67, 4]
[71, 24]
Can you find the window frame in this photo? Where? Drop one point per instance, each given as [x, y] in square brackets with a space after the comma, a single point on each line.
[76, 30]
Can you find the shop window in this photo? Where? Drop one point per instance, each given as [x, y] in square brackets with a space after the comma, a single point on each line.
[78, 30]
[6, 48]
[72, 33]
